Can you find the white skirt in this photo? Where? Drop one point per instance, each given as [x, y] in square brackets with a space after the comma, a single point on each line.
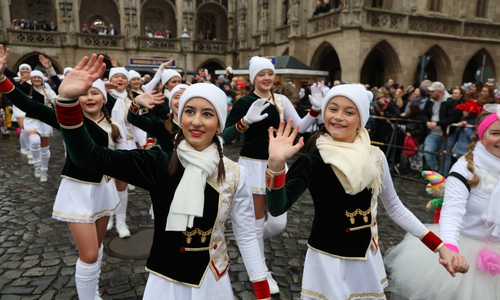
[257, 170]
[17, 113]
[84, 202]
[328, 277]
[416, 273]
[43, 129]
[210, 289]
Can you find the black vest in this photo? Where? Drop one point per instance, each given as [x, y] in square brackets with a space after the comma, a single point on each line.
[170, 254]
[341, 223]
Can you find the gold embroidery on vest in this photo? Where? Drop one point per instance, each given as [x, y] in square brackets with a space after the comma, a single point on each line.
[189, 235]
[360, 212]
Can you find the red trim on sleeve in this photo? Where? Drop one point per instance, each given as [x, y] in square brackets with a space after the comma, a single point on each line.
[6, 86]
[261, 289]
[69, 115]
[432, 241]
[314, 113]
[240, 126]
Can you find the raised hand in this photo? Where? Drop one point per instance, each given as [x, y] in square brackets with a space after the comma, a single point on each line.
[281, 147]
[46, 63]
[109, 86]
[316, 96]
[4, 57]
[113, 62]
[150, 99]
[80, 79]
[254, 113]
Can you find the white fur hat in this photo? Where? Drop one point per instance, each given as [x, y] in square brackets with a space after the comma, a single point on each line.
[357, 93]
[133, 74]
[211, 93]
[99, 84]
[167, 75]
[258, 64]
[119, 70]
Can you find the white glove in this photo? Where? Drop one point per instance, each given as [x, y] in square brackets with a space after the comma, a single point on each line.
[254, 113]
[302, 93]
[316, 96]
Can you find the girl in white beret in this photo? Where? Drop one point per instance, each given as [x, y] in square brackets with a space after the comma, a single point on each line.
[194, 190]
[85, 199]
[346, 176]
[252, 115]
[136, 86]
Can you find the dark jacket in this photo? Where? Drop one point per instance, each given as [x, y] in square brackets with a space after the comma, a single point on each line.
[447, 114]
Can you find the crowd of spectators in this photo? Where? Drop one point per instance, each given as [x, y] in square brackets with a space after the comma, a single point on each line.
[23, 24]
[101, 30]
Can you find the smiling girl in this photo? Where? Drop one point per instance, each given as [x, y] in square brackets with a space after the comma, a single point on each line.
[346, 176]
[193, 191]
[85, 199]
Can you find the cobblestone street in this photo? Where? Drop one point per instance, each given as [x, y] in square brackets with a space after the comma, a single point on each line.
[38, 253]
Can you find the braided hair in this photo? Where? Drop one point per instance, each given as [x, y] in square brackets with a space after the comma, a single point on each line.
[172, 167]
[469, 156]
[115, 132]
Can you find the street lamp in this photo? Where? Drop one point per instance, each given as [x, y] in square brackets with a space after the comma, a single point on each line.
[184, 45]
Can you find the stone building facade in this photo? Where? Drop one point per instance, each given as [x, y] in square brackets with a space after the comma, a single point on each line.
[357, 40]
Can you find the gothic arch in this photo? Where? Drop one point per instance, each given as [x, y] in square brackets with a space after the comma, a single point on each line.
[286, 52]
[88, 9]
[32, 60]
[381, 63]
[212, 16]
[439, 66]
[211, 65]
[161, 14]
[325, 58]
[475, 63]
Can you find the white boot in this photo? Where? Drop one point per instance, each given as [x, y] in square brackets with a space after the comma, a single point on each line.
[110, 223]
[86, 278]
[122, 229]
[131, 188]
[43, 176]
[38, 171]
[121, 215]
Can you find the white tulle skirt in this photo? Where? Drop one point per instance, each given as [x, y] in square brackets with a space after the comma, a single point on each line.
[415, 272]
[43, 129]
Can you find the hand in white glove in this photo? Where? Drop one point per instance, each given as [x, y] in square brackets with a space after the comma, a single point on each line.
[254, 113]
[316, 96]
[302, 93]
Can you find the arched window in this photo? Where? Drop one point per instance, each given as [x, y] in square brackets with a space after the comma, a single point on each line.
[40, 10]
[153, 20]
[481, 8]
[435, 5]
[206, 21]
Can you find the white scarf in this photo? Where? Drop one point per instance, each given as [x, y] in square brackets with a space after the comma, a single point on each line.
[119, 109]
[167, 93]
[352, 162]
[189, 197]
[488, 169]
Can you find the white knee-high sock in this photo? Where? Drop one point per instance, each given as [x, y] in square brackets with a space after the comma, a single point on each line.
[274, 225]
[45, 157]
[35, 148]
[99, 261]
[259, 230]
[24, 141]
[86, 278]
[121, 212]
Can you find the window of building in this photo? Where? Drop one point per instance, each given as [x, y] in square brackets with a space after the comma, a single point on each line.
[153, 20]
[481, 8]
[435, 5]
[207, 21]
[377, 3]
[40, 10]
[284, 12]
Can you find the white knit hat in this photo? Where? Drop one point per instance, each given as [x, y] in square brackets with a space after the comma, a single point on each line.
[176, 89]
[99, 84]
[211, 93]
[357, 93]
[119, 70]
[66, 70]
[258, 64]
[37, 73]
[133, 74]
[24, 65]
[167, 75]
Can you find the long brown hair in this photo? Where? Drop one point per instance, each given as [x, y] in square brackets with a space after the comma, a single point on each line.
[115, 132]
[172, 167]
[169, 124]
